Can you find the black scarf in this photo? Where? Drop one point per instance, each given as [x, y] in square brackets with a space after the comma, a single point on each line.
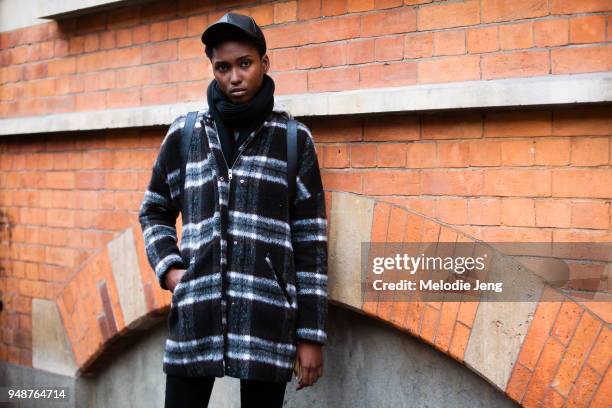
[244, 117]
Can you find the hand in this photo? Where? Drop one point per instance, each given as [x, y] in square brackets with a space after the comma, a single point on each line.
[308, 365]
[172, 278]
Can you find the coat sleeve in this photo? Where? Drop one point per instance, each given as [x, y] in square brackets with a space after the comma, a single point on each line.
[309, 241]
[158, 213]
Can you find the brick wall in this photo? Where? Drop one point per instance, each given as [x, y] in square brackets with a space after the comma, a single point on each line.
[152, 54]
[498, 175]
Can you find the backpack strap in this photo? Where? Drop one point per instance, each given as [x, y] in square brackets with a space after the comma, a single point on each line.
[186, 136]
[291, 158]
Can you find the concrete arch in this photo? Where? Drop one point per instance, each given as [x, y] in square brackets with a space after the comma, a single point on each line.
[116, 295]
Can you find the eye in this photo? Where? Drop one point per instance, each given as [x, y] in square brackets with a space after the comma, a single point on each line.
[221, 67]
[245, 63]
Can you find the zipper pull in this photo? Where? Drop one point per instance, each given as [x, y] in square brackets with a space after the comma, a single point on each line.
[230, 174]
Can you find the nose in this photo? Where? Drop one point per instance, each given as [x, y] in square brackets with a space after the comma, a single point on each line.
[235, 78]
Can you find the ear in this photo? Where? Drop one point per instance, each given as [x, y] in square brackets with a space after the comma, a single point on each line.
[266, 62]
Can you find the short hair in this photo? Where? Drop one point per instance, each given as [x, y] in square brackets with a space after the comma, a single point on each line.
[230, 34]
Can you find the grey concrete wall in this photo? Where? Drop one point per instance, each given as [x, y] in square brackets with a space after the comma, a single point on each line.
[367, 364]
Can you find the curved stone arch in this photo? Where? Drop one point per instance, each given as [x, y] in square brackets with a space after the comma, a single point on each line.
[116, 296]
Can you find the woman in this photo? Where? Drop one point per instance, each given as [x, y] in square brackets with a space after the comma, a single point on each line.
[250, 280]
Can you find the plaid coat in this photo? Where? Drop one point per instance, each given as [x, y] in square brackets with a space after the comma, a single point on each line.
[256, 276]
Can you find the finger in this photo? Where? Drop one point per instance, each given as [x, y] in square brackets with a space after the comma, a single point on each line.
[310, 376]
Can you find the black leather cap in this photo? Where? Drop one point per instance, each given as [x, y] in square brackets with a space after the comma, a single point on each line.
[233, 21]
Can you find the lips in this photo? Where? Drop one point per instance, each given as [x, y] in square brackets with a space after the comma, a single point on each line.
[238, 91]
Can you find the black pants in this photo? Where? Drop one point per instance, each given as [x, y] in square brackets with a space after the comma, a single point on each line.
[186, 392]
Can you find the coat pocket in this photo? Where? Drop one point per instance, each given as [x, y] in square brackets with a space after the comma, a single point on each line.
[279, 278]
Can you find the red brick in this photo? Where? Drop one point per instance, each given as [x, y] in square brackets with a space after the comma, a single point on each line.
[339, 79]
[123, 37]
[566, 321]
[516, 36]
[123, 57]
[418, 45]
[283, 60]
[587, 29]
[580, 60]
[553, 213]
[363, 155]
[584, 388]
[452, 126]
[196, 23]
[447, 15]
[400, 20]
[361, 51]
[335, 156]
[584, 6]
[360, 5]
[513, 183]
[484, 211]
[517, 124]
[90, 101]
[484, 153]
[291, 82]
[449, 42]
[507, 10]
[133, 76]
[590, 151]
[158, 31]
[333, 29]
[460, 182]
[389, 48]
[583, 121]
[603, 395]
[177, 28]
[308, 57]
[449, 69]
[166, 51]
[517, 152]
[576, 353]
[452, 211]
[333, 8]
[518, 212]
[421, 155]
[582, 183]
[190, 48]
[459, 341]
[595, 215]
[543, 374]
[515, 64]
[390, 182]
[600, 355]
[391, 128]
[483, 39]
[452, 154]
[285, 12]
[308, 9]
[518, 382]
[552, 152]
[341, 181]
[392, 154]
[333, 54]
[122, 98]
[388, 74]
[162, 94]
[63, 66]
[552, 399]
[429, 324]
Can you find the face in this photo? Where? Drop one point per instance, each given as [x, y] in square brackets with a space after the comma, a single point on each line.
[238, 69]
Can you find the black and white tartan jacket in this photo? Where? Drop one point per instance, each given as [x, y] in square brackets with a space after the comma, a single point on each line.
[256, 276]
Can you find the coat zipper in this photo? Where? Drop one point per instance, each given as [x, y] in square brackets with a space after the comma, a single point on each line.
[229, 176]
[241, 149]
